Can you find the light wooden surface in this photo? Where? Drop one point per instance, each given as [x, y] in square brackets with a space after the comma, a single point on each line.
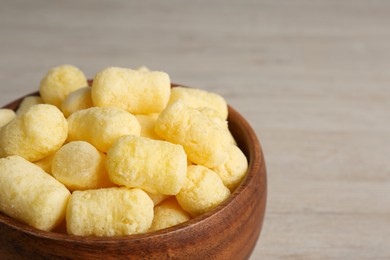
[311, 76]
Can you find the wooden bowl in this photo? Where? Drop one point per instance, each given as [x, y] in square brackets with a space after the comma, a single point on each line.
[229, 231]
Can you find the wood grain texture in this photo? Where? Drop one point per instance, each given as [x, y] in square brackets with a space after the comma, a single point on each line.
[230, 231]
[311, 76]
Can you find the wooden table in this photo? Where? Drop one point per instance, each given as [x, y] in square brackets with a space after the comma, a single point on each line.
[312, 78]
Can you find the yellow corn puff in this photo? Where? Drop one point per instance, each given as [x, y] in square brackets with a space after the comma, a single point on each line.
[168, 214]
[147, 123]
[80, 166]
[109, 212]
[28, 102]
[30, 195]
[102, 126]
[45, 163]
[157, 198]
[211, 113]
[59, 82]
[202, 191]
[77, 100]
[204, 140]
[234, 169]
[138, 92]
[6, 115]
[198, 98]
[143, 68]
[153, 165]
[35, 134]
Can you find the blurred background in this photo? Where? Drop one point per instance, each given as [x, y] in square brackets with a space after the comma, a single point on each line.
[312, 77]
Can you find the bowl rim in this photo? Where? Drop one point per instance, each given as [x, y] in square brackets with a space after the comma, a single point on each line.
[255, 159]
